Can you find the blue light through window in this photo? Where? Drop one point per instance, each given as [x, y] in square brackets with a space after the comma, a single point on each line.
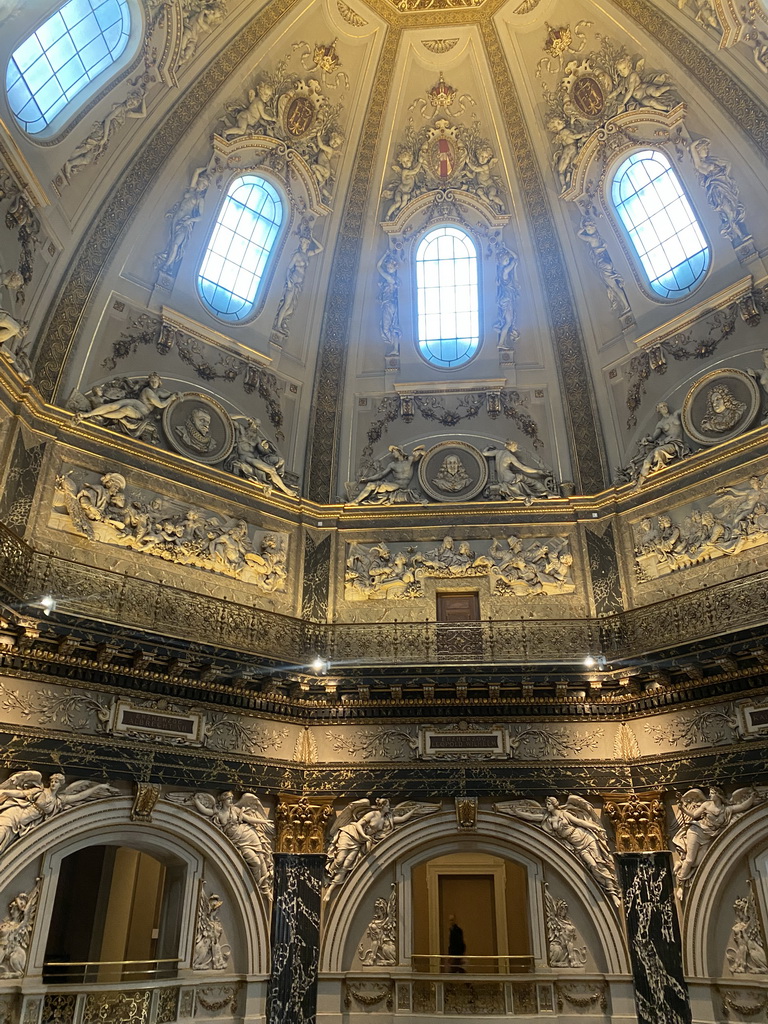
[78, 42]
[660, 223]
[240, 245]
[446, 282]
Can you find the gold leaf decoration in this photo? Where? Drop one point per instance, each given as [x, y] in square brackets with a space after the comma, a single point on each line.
[352, 16]
[527, 6]
[439, 45]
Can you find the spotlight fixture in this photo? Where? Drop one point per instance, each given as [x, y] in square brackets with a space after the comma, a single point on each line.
[319, 665]
[46, 603]
[589, 661]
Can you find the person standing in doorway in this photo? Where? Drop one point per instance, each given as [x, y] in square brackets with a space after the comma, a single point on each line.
[456, 947]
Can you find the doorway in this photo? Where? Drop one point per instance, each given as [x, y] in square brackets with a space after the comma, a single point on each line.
[458, 624]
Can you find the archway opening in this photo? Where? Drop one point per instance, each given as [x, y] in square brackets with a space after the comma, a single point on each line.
[470, 915]
[116, 917]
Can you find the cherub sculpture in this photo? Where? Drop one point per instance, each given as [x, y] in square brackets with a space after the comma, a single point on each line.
[576, 825]
[702, 819]
[244, 823]
[357, 829]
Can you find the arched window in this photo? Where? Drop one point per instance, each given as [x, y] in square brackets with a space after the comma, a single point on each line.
[447, 297]
[241, 243]
[69, 50]
[661, 224]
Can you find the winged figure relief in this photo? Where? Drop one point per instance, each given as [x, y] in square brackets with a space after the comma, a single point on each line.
[245, 823]
[357, 829]
[576, 824]
[702, 819]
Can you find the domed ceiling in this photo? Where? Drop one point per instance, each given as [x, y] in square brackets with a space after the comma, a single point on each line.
[375, 122]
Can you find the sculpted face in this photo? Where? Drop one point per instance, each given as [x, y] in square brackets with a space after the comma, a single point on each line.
[202, 420]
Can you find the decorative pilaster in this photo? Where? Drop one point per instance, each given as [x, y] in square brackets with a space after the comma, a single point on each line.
[661, 993]
[292, 991]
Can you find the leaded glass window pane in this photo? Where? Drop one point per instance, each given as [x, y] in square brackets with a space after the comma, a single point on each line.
[447, 297]
[661, 224]
[240, 245]
[66, 52]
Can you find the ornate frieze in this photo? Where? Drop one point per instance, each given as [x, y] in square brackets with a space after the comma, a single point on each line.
[104, 509]
[735, 521]
[530, 567]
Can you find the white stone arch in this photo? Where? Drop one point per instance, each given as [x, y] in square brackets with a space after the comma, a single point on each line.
[748, 837]
[173, 831]
[436, 835]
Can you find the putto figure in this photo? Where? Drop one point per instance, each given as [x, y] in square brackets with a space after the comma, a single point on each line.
[358, 828]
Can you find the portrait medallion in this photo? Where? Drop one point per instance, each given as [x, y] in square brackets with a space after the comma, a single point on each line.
[453, 471]
[198, 427]
[721, 405]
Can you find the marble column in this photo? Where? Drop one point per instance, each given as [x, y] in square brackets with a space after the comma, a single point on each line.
[292, 990]
[661, 994]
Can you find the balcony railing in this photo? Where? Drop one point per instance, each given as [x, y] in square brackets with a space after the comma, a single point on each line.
[83, 972]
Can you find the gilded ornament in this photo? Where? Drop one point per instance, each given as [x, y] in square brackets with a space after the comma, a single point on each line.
[301, 825]
[439, 45]
[638, 822]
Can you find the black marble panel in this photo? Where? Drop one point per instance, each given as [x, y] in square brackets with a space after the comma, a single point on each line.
[661, 993]
[292, 992]
[20, 484]
[603, 566]
[317, 568]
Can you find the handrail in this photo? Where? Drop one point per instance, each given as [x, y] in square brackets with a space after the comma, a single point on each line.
[111, 963]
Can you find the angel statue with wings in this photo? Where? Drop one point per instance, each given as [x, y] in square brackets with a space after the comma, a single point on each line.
[358, 827]
[701, 821]
[244, 823]
[25, 802]
[577, 825]
[16, 931]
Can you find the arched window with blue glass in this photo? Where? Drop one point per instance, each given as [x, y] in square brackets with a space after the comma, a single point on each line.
[447, 297]
[242, 241]
[665, 233]
[73, 47]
